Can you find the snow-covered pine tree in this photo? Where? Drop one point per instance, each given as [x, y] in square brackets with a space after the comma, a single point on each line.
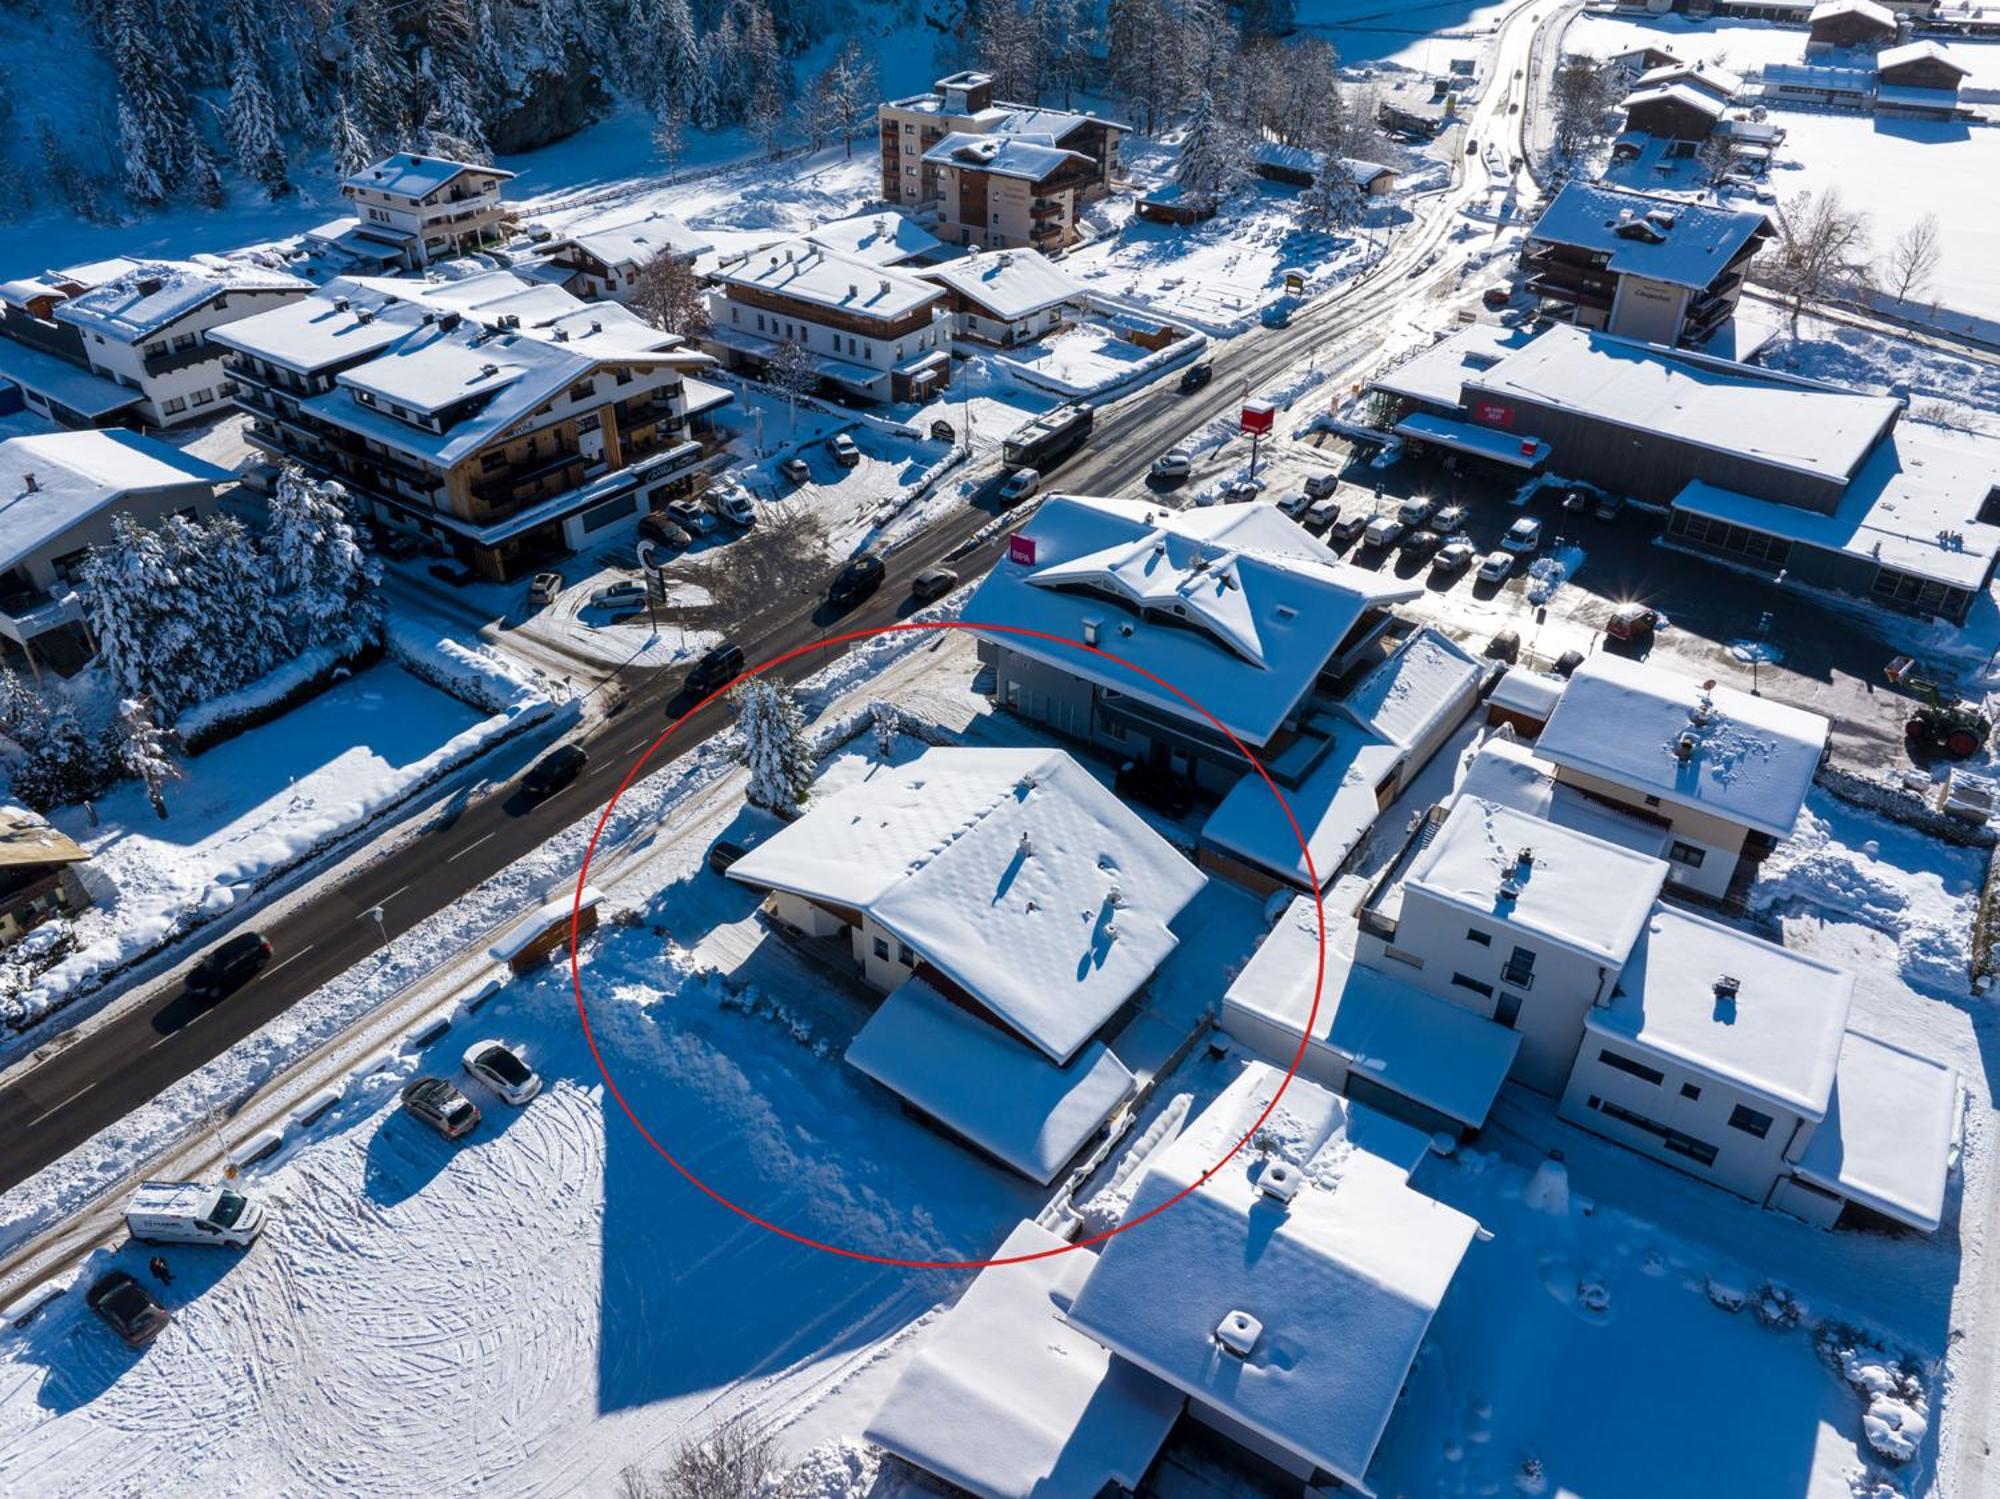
[328, 587]
[1334, 200]
[153, 126]
[63, 767]
[353, 151]
[249, 120]
[24, 716]
[1213, 158]
[145, 751]
[774, 750]
[122, 594]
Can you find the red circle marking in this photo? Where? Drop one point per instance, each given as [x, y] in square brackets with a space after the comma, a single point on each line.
[583, 1011]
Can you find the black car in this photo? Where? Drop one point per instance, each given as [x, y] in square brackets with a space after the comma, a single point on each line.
[1420, 544]
[722, 853]
[860, 577]
[658, 527]
[1155, 786]
[1195, 376]
[718, 668]
[1568, 662]
[127, 1309]
[555, 770]
[932, 583]
[229, 966]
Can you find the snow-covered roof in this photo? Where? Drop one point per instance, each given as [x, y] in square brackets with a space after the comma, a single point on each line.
[1429, 1050]
[1259, 605]
[1029, 156]
[409, 175]
[82, 391]
[1749, 760]
[1886, 1139]
[634, 242]
[1009, 284]
[1332, 1292]
[152, 296]
[1701, 74]
[77, 474]
[317, 331]
[1305, 159]
[1334, 807]
[1796, 425]
[27, 840]
[1532, 694]
[1437, 375]
[1005, 1400]
[1580, 891]
[1827, 10]
[1664, 239]
[1429, 679]
[1014, 873]
[1904, 97]
[1512, 449]
[1926, 51]
[1507, 772]
[1679, 92]
[884, 237]
[804, 272]
[1779, 1036]
[1025, 1110]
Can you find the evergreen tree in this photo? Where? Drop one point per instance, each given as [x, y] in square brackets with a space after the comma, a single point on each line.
[1333, 201]
[153, 125]
[887, 721]
[774, 750]
[1214, 160]
[250, 121]
[145, 752]
[328, 586]
[63, 767]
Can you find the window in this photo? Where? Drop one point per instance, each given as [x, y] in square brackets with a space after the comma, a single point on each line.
[1689, 1090]
[610, 512]
[1520, 969]
[1508, 1010]
[583, 390]
[154, 349]
[172, 405]
[1484, 939]
[735, 314]
[1750, 1121]
[882, 949]
[1698, 1151]
[203, 397]
[904, 956]
[624, 377]
[1652, 801]
[1686, 853]
[1631, 1068]
[183, 341]
[1465, 981]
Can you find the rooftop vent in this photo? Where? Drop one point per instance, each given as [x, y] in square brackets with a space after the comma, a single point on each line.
[449, 320]
[885, 286]
[1509, 890]
[854, 288]
[28, 479]
[428, 318]
[363, 315]
[149, 285]
[1090, 626]
[562, 335]
[489, 370]
[1027, 843]
[1279, 1180]
[341, 304]
[1727, 986]
[596, 326]
[1686, 745]
[1238, 1333]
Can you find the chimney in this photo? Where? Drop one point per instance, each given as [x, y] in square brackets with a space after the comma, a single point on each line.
[1727, 986]
[1238, 1334]
[1685, 746]
[341, 304]
[1027, 843]
[29, 479]
[885, 286]
[1279, 1181]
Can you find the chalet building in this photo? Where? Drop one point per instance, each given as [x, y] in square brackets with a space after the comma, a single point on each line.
[1299, 166]
[1681, 102]
[59, 494]
[124, 342]
[1643, 267]
[1640, 60]
[607, 261]
[872, 331]
[1920, 79]
[1011, 190]
[1851, 23]
[507, 420]
[1007, 297]
[424, 208]
[38, 873]
[963, 104]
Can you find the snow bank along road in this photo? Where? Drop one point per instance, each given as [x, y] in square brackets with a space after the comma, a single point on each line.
[90, 1084]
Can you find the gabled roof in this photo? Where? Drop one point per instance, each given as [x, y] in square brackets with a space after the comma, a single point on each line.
[802, 270]
[150, 297]
[77, 474]
[1705, 76]
[884, 237]
[1009, 284]
[1895, 57]
[1827, 10]
[1015, 874]
[1429, 677]
[1686, 94]
[1235, 605]
[412, 176]
[1665, 239]
[634, 242]
[1029, 156]
[1333, 1291]
[27, 840]
[1748, 760]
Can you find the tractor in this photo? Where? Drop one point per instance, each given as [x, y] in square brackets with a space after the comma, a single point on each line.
[1943, 723]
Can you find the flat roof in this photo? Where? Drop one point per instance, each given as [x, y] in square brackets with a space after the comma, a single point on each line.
[1427, 1049]
[1025, 1110]
[1481, 442]
[1437, 375]
[803, 271]
[76, 475]
[1014, 873]
[1886, 1139]
[1730, 408]
[1580, 891]
[83, 391]
[1749, 760]
[1334, 806]
[1778, 1037]
[1528, 692]
[1664, 239]
[1332, 1291]
[1259, 605]
[1508, 772]
[1006, 1400]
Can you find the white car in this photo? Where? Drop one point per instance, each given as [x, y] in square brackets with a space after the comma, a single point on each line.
[545, 588]
[1495, 567]
[500, 1067]
[1021, 483]
[1523, 536]
[1415, 510]
[1173, 464]
[1295, 504]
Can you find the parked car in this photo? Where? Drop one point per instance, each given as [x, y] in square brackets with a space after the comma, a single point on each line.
[127, 1308]
[1321, 514]
[1296, 504]
[1382, 531]
[230, 966]
[1608, 506]
[191, 1213]
[1505, 645]
[857, 579]
[796, 471]
[1416, 510]
[1019, 485]
[657, 527]
[1495, 567]
[441, 1106]
[1320, 485]
[1452, 557]
[1195, 376]
[732, 503]
[718, 668]
[843, 449]
[1575, 502]
[722, 854]
[1523, 536]
[546, 588]
[932, 583]
[1240, 491]
[618, 595]
[1566, 663]
[1173, 464]
[691, 517]
[1155, 786]
[1448, 521]
[1631, 622]
[1496, 297]
[1418, 545]
[451, 570]
[555, 770]
[500, 1067]
[1344, 530]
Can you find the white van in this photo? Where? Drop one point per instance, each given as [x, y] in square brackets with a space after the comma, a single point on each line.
[190, 1213]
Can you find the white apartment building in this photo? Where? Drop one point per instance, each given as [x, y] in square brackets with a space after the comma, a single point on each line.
[426, 208]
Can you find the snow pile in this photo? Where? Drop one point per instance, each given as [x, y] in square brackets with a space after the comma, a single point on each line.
[478, 676]
[1761, 652]
[1898, 1411]
[844, 1469]
[1548, 574]
[1548, 1189]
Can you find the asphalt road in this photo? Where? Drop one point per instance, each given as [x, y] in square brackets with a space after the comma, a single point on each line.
[82, 1088]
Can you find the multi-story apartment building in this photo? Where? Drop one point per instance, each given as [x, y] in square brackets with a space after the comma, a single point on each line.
[506, 420]
[426, 208]
[1654, 269]
[917, 173]
[872, 331]
[123, 342]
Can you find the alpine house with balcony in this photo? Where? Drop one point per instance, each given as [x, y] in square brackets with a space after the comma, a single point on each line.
[507, 420]
[422, 208]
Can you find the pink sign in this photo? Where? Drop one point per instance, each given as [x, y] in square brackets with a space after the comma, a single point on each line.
[1021, 549]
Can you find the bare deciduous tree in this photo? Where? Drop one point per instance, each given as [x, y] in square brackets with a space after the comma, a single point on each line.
[667, 294]
[1822, 249]
[732, 1464]
[1581, 100]
[1913, 259]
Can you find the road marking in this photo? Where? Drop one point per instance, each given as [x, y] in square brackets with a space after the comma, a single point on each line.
[56, 1108]
[467, 849]
[299, 954]
[393, 894]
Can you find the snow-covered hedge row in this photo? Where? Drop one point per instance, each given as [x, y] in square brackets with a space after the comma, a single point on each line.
[480, 678]
[208, 724]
